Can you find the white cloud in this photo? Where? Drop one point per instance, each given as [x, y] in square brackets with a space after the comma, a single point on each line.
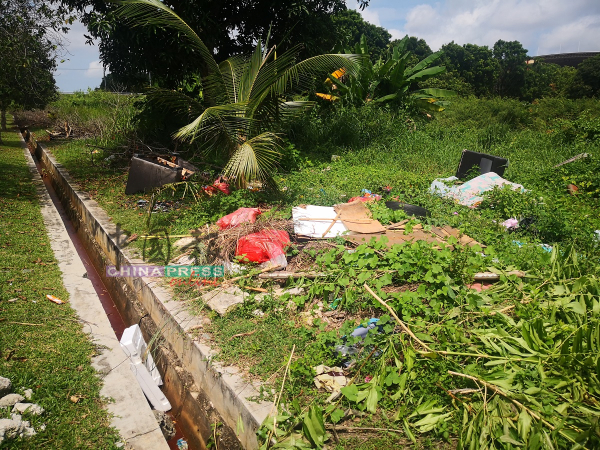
[543, 24]
[396, 34]
[74, 40]
[579, 35]
[371, 16]
[95, 70]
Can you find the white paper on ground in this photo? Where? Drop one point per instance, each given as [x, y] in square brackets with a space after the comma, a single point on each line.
[316, 228]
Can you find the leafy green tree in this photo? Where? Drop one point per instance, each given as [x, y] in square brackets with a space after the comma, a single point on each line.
[417, 47]
[512, 60]
[242, 99]
[28, 56]
[227, 27]
[586, 82]
[390, 81]
[474, 64]
[451, 81]
[349, 26]
[547, 80]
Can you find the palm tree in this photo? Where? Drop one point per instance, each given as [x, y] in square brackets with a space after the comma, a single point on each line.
[244, 97]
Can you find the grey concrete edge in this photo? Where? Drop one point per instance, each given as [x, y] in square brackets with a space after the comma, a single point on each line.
[228, 391]
[130, 412]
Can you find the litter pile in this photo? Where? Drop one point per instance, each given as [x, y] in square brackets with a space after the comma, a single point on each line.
[481, 352]
[244, 237]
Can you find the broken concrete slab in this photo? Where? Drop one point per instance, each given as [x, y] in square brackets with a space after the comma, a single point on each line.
[280, 292]
[10, 400]
[28, 408]
[9, 429]
[5, 386]
[222, 301]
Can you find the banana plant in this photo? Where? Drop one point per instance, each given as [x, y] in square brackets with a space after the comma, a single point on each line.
[389, 81]
[244, 98]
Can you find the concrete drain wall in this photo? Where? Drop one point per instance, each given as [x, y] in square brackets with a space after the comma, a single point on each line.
[201, 391]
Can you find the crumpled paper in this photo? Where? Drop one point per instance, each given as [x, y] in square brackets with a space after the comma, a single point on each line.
[331, 379]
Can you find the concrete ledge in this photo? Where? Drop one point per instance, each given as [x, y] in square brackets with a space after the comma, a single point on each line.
[131, 413]
[223, 387]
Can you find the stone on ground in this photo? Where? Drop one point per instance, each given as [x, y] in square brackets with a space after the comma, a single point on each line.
[221, 301]
[10, 400]
[5, 386]
[30, 408]
[9, 429]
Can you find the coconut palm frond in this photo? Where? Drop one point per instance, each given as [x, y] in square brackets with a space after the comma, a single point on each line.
[288, 110]
[154, 12]
[174, 101]
[232, 71]
[318, 65]
[252, 70]
[270, 71]
[254, 159]
[217, 121]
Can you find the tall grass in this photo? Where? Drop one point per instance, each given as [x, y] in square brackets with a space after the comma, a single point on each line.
[109, 118]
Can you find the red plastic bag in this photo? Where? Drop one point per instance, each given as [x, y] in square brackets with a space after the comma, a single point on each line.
[242, 215]
[222, 185]
[263, 246]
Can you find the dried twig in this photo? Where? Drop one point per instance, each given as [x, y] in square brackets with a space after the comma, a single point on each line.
[278, 398]
[25, 323]
[249, 333]
[268, 269]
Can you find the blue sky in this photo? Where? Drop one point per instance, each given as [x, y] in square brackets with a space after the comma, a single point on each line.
[542, 26]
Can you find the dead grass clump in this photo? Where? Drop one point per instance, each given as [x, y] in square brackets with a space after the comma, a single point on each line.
[33, 119]
[406, 287]
[303, 261]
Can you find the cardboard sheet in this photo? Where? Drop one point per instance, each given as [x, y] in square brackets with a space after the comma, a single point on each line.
[436, 236]
[357, 218]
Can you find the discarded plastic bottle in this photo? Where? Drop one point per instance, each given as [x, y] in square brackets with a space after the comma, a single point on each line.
[346, 350]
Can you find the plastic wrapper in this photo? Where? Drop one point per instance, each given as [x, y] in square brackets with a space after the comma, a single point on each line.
[242, 215]
[263, 246]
